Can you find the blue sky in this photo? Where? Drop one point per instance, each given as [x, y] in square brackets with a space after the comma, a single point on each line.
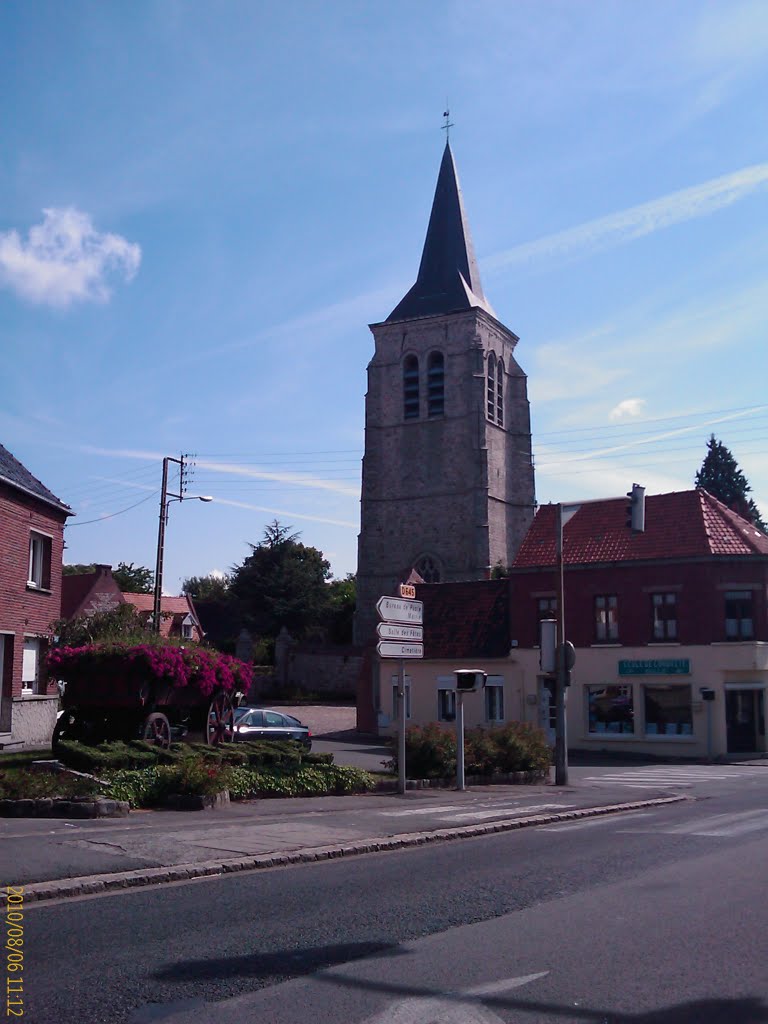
[203, 205]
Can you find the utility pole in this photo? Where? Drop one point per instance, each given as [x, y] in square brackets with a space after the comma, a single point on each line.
[165, 499]
[561, 688]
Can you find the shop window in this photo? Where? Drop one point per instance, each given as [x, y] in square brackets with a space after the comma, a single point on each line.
[494, 699]
[435, 384]
[739, 622]
[446, 699]
[411, 388]
[395, 710]
[664, 616]
[606, 618]
[668, 711]
[39, 561]
[610, 710]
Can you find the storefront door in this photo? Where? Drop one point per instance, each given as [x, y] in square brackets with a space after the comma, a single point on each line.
[744, 720]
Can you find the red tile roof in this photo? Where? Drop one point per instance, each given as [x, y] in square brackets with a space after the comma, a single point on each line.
[682, 524]
[466, 620]
[172, 610]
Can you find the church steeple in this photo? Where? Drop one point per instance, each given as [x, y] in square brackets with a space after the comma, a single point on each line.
[448, 280]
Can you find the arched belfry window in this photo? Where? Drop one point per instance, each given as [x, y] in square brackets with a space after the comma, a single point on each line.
[428, 567]
[500, 393]
[435, 384]
[411, 388]
[491, 389]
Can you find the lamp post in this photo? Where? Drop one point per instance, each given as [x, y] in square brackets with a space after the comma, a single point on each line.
[165, 501]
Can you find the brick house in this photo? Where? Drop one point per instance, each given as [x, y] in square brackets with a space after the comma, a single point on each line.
[31, 542]
[660, 620]
[90, 592]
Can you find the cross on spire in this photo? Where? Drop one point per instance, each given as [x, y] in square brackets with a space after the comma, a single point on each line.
[448, 124]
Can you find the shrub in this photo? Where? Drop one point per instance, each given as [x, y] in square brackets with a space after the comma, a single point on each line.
[21, 784]
[430, 751]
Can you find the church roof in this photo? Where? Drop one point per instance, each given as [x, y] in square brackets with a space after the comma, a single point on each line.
[448, 280]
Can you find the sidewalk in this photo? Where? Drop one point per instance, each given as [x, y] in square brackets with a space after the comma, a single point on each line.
[54, 859]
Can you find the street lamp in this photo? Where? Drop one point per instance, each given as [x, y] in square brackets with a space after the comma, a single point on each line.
[165, 502]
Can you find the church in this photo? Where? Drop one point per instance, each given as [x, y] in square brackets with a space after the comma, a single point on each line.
[448, 482]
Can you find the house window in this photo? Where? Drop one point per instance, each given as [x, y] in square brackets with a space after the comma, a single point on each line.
[664, 616]
[187, 627]
[428, 568]
[610, 709]
[30, 666]
[494, 699]
[39, 561]
[395, 710]
[491, 388]
[435, 384]
[668, 711]
[739, 622]
[500, 393]
[446, 699]
[606, 618]
[411, 388]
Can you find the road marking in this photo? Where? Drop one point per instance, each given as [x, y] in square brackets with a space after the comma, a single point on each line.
[453, 1007]
[492, 810]
[589, 822]
[718, 825]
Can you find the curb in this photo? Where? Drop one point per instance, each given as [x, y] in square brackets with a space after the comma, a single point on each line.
[69, 887]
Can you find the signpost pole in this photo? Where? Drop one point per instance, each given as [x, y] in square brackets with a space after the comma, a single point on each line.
[460, 740]
[401, 727]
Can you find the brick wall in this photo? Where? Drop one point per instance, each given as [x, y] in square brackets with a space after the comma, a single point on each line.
[25, 611]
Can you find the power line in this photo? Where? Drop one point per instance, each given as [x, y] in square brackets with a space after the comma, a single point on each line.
[113, 514]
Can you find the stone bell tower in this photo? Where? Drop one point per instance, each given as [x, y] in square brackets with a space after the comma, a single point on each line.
[448, 485]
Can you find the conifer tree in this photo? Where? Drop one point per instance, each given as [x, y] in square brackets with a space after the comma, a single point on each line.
[721, 476]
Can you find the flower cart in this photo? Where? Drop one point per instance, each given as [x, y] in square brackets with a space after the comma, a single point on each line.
[153, 692]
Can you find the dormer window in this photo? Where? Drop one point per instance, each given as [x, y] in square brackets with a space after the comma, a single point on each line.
[411, 388]
[187, 627]
[436, 384]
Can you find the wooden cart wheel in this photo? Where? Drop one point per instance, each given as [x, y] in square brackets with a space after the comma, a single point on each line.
[157, 730]
[220, 723]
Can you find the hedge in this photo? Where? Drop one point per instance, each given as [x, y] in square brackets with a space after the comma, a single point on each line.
[430, 751]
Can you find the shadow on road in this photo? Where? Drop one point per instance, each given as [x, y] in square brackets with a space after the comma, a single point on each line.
[741, 1010]
[285, 963]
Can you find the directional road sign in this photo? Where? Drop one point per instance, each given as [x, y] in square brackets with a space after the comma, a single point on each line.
[396, 631]
[393, 649]
[397, 609]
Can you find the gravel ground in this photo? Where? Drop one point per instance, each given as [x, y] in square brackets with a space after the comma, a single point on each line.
[323, 719]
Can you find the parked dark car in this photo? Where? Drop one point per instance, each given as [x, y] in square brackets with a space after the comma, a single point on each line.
[264, 724]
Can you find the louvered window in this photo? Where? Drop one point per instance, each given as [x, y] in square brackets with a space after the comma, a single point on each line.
[491, 391]
[411, 388]
[435, 384]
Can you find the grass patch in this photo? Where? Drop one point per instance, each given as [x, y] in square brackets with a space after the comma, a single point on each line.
[22, 784]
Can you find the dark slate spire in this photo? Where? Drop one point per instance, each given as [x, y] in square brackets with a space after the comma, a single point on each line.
[448, 280]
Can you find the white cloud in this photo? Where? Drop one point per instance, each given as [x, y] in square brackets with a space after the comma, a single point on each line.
[284, 514]
[65, 260]
[627, 409]
[637, 221]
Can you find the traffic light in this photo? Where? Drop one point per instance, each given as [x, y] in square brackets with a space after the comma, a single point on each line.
[636, 509]
[469, 679]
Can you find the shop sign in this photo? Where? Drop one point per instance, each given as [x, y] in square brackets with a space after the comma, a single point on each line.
[655, 667]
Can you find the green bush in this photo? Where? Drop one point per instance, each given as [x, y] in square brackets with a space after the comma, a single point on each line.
[140, 754]
[430, 751]
[22, 784]
[149, 787]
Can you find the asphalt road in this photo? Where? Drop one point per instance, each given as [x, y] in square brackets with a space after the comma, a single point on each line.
[656, 917]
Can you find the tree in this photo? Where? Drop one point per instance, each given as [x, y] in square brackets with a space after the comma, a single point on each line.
[213, 587]
[721, 476]
[79, 569]
[134, 579]
[342, 596]
[122, 623]
[282, 583]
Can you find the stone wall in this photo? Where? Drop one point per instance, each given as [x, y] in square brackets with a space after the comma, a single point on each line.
[33, 720]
